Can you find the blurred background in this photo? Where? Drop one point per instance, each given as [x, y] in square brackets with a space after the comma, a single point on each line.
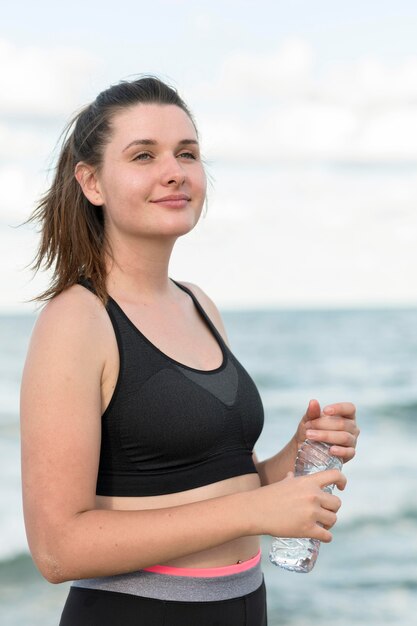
[308, 120]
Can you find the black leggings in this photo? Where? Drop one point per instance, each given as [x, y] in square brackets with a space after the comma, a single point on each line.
[93, 607]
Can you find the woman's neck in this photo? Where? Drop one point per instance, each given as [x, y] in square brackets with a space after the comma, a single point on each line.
[139, 268]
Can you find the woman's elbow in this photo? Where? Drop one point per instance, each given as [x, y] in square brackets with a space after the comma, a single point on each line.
[51, 567]
[53, 546]
[52, 555]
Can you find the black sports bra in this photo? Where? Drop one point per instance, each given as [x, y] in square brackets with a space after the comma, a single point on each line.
[170, 427]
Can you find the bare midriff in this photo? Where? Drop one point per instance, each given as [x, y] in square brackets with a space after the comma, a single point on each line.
[230, 553]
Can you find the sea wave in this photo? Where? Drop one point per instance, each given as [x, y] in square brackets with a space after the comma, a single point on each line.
[19, 567]
[367, 583]
[400, 412]
[392, 521]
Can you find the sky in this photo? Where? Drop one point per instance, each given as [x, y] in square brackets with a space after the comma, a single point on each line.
[307, 112]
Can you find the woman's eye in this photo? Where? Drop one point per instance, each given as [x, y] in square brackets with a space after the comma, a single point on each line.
[143, 156]
[187, 155]
[146, 156]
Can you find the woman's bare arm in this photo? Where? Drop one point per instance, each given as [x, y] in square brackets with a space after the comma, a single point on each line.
[277, 467]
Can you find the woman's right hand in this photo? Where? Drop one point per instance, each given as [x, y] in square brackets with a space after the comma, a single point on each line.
[298, 506]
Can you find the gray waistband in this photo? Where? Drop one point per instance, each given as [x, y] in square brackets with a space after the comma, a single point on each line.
[179, 588]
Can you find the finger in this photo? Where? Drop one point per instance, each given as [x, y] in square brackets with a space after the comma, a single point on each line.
[347, 409]
[346, 454]
[331, 437]
[322, 534]
[313, 410]
[330, 502]
[333, 423]
[327, 518]
[330, 477]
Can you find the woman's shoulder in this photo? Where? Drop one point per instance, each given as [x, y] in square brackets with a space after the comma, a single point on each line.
[68, 350]
[74, 301]
[209, 307]
[74, 315]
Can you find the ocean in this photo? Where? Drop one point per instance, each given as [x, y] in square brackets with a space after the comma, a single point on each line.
[368, 574]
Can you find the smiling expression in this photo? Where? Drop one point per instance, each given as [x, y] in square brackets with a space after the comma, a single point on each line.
[152, 182]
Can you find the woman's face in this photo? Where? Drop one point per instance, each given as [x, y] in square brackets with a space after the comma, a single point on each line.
[152, 182]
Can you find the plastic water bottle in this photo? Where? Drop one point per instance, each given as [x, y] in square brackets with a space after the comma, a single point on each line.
[294, 554]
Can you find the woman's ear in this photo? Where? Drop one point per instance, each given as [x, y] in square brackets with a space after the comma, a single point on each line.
[87, 179]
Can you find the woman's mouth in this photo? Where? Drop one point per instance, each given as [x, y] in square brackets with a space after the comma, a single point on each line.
[173, 201]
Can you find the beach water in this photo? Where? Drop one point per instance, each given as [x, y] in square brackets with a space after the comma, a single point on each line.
[368, 574]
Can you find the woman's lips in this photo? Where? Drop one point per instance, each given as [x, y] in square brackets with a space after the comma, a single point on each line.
[173, 201]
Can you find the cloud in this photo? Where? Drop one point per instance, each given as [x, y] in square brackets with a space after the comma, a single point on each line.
[247, 77]
[278, 106]
[17, 251]
[41, 87]
[285, 71]
[302, 236]
[41, 83]
[23, 142]
[20, 189]
[370, 84]
[389, 134]
[287, 225]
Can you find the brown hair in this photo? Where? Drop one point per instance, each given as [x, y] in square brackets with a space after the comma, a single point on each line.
[72, 229]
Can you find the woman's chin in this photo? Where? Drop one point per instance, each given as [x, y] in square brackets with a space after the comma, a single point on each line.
[177, 227]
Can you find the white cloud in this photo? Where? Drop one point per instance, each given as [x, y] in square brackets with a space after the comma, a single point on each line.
[41, 83]
[306, 236]
[277, 106]
[371, 84]
[285, 71]
[41, 87]
[21, 143]
[19, 191]
[255, 76]
[389, 134]
[299, 234]
[17, 250]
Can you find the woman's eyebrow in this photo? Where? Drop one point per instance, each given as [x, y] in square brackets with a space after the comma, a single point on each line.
[152, 142]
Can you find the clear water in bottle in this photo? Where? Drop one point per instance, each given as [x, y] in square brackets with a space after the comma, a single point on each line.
[295, 554]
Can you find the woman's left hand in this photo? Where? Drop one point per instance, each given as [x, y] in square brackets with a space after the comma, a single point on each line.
[334, 425]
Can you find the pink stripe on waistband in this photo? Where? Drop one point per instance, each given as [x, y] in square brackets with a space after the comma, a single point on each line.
[206, 572]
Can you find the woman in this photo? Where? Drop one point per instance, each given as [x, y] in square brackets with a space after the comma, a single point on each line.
[138, 424]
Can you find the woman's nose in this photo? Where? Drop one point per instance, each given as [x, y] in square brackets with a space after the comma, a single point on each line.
[173, 173]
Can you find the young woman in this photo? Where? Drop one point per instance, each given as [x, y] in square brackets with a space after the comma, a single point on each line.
[140, 482]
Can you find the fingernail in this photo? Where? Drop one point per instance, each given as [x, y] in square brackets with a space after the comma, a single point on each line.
[311, 433]
[328, 410]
